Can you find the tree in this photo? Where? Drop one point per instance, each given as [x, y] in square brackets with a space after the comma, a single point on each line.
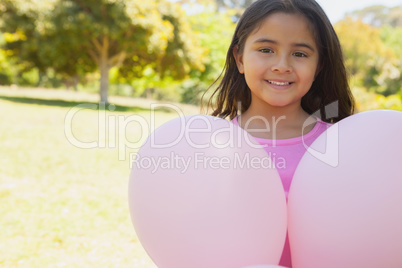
[391, 77]
[130, 33]
[379, 15]
[78, 36]
[20, 23]
[371, 41]
[359, 42]
[215, 30]
[5, 78]
[372, 63]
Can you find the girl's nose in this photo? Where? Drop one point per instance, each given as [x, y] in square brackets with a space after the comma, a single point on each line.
[282, 65]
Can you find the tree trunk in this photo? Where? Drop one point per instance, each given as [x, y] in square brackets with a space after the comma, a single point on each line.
[104, 80]
[41, 74]
[76, 81]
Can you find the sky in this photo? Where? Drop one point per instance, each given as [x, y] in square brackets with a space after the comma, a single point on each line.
[336, 9]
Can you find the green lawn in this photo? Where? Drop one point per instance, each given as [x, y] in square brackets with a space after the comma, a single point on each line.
[62, 205]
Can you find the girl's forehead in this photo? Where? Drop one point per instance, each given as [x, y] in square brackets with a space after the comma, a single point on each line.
[282, 18]
[284, 23]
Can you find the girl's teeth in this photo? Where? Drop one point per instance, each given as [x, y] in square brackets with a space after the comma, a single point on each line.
[279, 83]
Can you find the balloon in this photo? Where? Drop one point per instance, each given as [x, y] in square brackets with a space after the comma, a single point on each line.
[345, 202]
[202, 194]
[265, 266]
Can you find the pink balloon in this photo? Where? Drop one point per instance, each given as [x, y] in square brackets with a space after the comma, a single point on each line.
[265, 266]
[208, 197]
[345, 205]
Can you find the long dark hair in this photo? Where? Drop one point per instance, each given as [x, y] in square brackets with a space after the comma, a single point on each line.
[330, 85]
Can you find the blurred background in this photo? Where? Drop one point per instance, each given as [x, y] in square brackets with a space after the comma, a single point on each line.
[173, 50]
[63, 171]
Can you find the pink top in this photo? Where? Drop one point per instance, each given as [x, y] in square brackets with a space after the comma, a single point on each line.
[286, 155]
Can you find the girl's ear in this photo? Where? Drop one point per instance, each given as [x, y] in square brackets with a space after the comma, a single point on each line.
[239, 59]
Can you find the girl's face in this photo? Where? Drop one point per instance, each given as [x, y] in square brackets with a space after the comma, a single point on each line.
[279, 61]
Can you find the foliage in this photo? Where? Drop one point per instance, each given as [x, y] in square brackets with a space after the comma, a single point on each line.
[133, 34]
[391, 79]
[156, 49]
[20, 24]
[380, 15]
[5, 76]
[79, 36]
[183, 53]
[372, 55]
[215, 30]
[372, 101]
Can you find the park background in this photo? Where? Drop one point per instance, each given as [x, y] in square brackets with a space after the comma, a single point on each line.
[64, 203]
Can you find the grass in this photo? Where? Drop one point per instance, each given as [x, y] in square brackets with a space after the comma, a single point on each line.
[62, 205]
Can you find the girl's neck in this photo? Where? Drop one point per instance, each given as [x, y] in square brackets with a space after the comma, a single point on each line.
[275, 122]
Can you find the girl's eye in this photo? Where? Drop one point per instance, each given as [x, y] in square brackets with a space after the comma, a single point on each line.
[300, 54]
[266, 50]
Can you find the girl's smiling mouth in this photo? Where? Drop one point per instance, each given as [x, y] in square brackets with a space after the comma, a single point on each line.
[277, 83]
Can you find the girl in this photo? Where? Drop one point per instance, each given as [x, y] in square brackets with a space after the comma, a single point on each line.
[284, 67]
